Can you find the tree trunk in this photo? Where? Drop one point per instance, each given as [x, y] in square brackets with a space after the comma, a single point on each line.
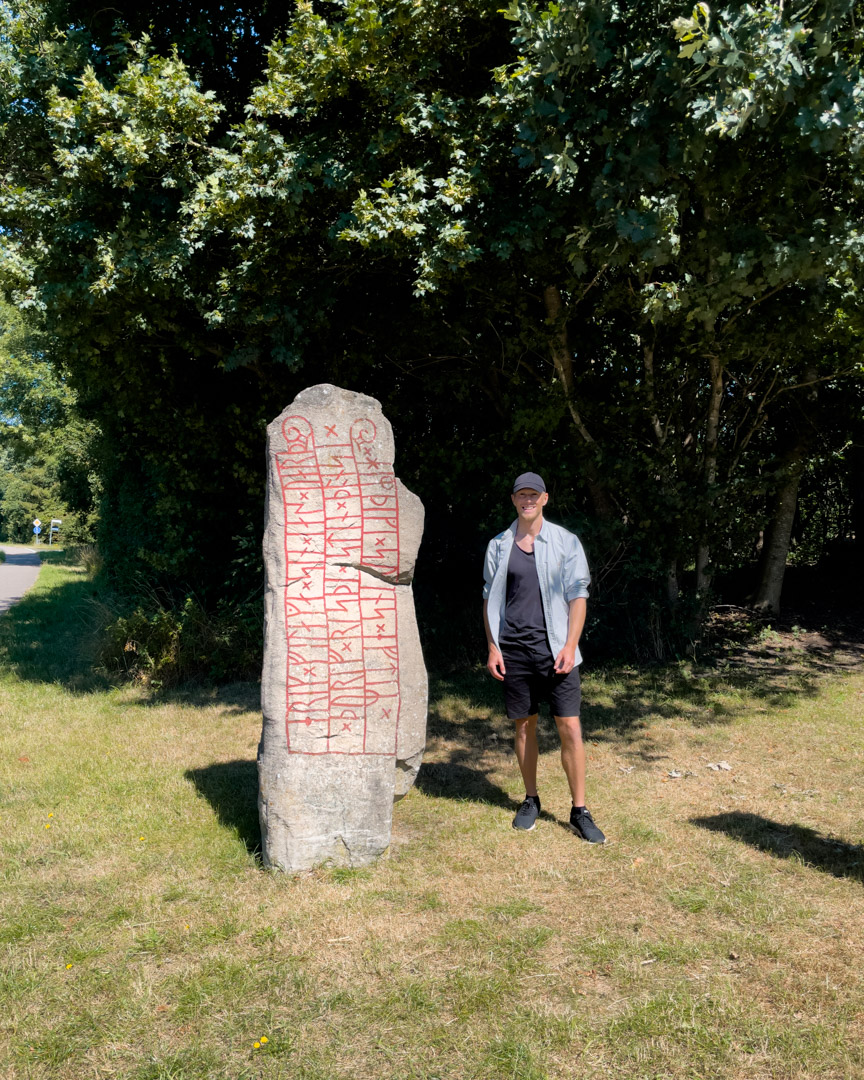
[775, 549]
[673, 590]
[562, 358]
[709, 468]
[855, 456]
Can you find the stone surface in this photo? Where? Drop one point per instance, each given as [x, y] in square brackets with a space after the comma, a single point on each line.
[344, 689]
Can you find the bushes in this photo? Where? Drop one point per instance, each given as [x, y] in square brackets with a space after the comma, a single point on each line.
[164, 644]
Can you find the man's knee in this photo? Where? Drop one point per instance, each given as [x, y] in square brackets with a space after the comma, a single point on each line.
[526, 722]
[569, 728]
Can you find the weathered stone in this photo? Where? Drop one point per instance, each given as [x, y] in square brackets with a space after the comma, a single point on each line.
[344, 689]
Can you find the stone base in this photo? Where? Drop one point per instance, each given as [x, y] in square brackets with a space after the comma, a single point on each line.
[325, 810]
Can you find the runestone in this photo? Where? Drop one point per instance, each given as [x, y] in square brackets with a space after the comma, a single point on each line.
[344, 687]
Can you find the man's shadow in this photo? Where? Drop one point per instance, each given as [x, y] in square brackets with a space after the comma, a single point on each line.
[835, 857]
[461, 778]
[465, 783]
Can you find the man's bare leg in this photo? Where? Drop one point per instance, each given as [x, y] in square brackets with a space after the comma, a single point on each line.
[572, 756]
[525, 744]
[573, 760]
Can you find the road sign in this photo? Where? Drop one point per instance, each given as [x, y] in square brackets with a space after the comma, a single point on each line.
[37, 522]
[37, 529]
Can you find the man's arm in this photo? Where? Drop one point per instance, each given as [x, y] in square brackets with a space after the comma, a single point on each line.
[495, 661]
[566, 659]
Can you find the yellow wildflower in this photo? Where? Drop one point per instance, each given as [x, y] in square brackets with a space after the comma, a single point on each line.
[264, 1039]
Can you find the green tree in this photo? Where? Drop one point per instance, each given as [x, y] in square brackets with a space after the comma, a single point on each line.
[46, 450]
[626, 229]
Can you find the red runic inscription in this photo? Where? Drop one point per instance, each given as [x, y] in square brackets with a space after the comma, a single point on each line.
[341, 505]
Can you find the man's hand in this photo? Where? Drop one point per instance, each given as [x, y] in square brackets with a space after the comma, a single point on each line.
[566, 660]
[495, 664]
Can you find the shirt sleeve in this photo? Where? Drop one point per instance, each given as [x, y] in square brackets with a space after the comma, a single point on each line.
[577, 576]
[489, 567]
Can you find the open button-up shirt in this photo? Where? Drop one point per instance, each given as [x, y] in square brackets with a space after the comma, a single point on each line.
[562, 571]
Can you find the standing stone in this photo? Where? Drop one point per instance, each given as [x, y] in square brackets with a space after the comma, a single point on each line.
[344, 690]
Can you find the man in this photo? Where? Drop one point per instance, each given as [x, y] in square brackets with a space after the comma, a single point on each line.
[534, 604]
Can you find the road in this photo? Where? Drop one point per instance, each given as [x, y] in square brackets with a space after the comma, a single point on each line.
[17, 574]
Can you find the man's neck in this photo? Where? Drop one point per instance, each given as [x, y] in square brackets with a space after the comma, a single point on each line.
[529, 528]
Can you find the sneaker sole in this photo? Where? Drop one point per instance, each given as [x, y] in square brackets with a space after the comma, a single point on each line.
[597, 843]
[519, 828]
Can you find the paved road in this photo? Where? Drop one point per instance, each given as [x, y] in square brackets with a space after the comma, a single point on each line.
[17, 574]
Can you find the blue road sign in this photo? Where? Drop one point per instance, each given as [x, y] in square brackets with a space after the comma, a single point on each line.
[37, 529]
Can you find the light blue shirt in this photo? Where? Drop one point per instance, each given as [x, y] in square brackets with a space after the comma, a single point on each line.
[562, 571]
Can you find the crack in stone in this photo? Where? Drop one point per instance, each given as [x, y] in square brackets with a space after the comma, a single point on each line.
[405, 578]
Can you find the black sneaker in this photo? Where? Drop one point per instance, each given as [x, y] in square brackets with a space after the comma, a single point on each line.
[583, 825]
[526, 815]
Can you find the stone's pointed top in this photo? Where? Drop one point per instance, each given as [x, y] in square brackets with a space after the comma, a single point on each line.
[331, 415]
[326, 394]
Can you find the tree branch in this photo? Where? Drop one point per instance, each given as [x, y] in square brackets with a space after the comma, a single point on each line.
[747, 310]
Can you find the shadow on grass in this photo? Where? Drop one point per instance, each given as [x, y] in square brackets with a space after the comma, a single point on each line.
[467, 727]
[239, 697]
[469, 709]
[48, 637]
[665, 692]
[659, 691]
[453, 780]
[466, 719]
[52, 636]
[468, 730]
[51, 556]
[835, 857]
[231, 788]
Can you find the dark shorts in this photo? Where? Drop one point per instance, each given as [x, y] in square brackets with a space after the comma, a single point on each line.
[530, 679]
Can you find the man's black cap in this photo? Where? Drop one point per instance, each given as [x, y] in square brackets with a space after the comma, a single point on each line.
[529, 480]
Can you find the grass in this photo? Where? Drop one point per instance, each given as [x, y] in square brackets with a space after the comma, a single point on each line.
[719, 934]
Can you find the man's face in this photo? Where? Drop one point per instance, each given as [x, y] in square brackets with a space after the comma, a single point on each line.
[529, 503]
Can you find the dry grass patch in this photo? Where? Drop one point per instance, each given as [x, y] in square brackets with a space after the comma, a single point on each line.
[718, 934]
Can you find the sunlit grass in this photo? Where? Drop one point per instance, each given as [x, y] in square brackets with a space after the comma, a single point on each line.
[719, 933]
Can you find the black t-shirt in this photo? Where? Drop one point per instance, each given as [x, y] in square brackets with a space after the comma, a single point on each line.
[523, 622]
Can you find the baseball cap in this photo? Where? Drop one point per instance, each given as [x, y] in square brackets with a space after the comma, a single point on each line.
[529, 480]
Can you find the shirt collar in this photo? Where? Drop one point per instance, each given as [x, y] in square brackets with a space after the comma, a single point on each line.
[542, 535]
